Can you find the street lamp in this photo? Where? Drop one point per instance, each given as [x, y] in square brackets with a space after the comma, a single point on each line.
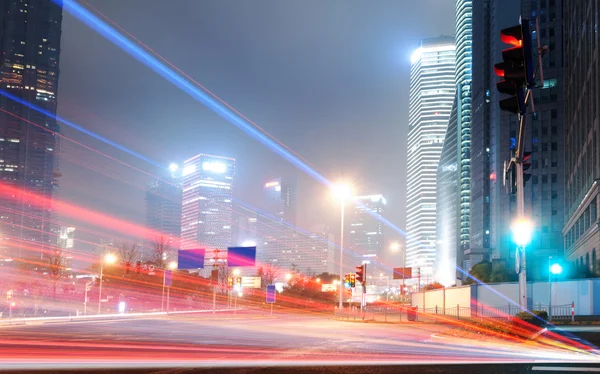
[288, 277]
[553, 269]
[342, 192]
[236, 272]
[108, 259]
[522, 231]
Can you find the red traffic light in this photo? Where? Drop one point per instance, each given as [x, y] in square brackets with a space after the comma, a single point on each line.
[361, 273]
[512, 35]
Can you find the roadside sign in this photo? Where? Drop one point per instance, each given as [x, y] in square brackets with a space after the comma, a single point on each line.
[168, 278]
[271, 291]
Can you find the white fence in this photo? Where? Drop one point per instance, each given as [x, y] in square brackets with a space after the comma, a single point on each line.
[501, 298]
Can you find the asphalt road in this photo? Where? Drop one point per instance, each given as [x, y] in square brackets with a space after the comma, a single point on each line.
[199, 340]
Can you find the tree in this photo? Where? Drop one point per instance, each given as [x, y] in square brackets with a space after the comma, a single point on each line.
[481, 271]
[161, 251]
[56, 268]
[129, 253]
[433, 286]
[268, 273]
[224, 273]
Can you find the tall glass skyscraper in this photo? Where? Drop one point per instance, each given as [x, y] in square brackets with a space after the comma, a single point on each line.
[432, 91]
[30, 47]
[163, 212]
[454, 171]
[206, 213]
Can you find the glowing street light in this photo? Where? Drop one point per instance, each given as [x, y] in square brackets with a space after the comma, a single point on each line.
[109, 259]
[342, 192]
[395, 247]
[288, 277]
[522, 232]
[318, 280]
[236, 272]
[173, 167]
[556, 269]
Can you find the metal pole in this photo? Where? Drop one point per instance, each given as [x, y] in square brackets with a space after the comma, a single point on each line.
[235, 304]
[342, 257]
[521, 213]
[549, 290]
[168, 297]
[214, 299]
[100, 290]
[271, 308]
[402, 292]
[85, 300]
[162, 297]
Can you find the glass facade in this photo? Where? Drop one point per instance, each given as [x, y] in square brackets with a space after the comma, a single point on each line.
[30, 47]
[206, 213]
[432, 91]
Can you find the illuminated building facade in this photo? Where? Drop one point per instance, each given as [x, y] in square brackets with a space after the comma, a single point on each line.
[30, 47]
[454, 170]
[432, 92]
[366, 231]
[206, 213]
[66, 243]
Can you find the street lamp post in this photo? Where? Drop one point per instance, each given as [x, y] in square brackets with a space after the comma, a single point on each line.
[553, 269]
[172, 266]
[108, 259]
[342, 192]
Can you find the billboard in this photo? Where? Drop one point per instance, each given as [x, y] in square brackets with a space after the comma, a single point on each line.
[402, 273]
[191, 259]
[271, 294]
[241, 256]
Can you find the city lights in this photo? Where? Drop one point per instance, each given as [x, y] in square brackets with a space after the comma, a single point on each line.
[522, 231]
[215, 167]
[341, 191]
[556, 269]
[173, 167]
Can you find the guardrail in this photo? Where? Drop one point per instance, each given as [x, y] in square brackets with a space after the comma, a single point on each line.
[394, 313]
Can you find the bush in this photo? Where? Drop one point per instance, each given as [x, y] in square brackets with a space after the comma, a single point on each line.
[538, 318]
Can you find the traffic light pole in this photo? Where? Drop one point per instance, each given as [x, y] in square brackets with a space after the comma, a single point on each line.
[521, 214]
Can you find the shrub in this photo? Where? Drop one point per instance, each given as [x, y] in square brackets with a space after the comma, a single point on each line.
[538, 318]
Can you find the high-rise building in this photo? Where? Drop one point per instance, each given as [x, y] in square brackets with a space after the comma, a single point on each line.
[30, 34]
[582, 127]
[206, 213]
[495, 137]
[66, 243]
[163, 212]
[281, 199]
[454, 169]
[432, 91]
[366, 230]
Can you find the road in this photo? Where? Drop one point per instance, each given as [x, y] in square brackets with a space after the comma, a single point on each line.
[252, 339]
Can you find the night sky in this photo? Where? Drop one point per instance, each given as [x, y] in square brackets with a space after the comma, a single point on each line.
[327, 78]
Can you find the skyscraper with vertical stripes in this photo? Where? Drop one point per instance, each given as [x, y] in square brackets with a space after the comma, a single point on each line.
[432, 91]
[454, 170]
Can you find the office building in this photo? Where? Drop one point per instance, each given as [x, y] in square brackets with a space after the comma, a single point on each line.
[66, 243]
[30, 47]
[582, 126]
[163, 212]
[432, 91]
[494, 140]
[206, 213]
[454, 169]
[365, 232]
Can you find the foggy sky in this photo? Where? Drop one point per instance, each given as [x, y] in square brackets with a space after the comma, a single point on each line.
[329, 78]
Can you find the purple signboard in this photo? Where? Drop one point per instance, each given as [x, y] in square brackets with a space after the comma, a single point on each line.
[191, 259]
[241, 256]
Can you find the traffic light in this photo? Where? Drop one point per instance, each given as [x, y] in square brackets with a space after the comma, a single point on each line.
[138, 267]
[352, 280]
[229, 282]
[516, 68]
[347, 280]
[238, 282]
[361, 275]
[526, 162]
[127, 267]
